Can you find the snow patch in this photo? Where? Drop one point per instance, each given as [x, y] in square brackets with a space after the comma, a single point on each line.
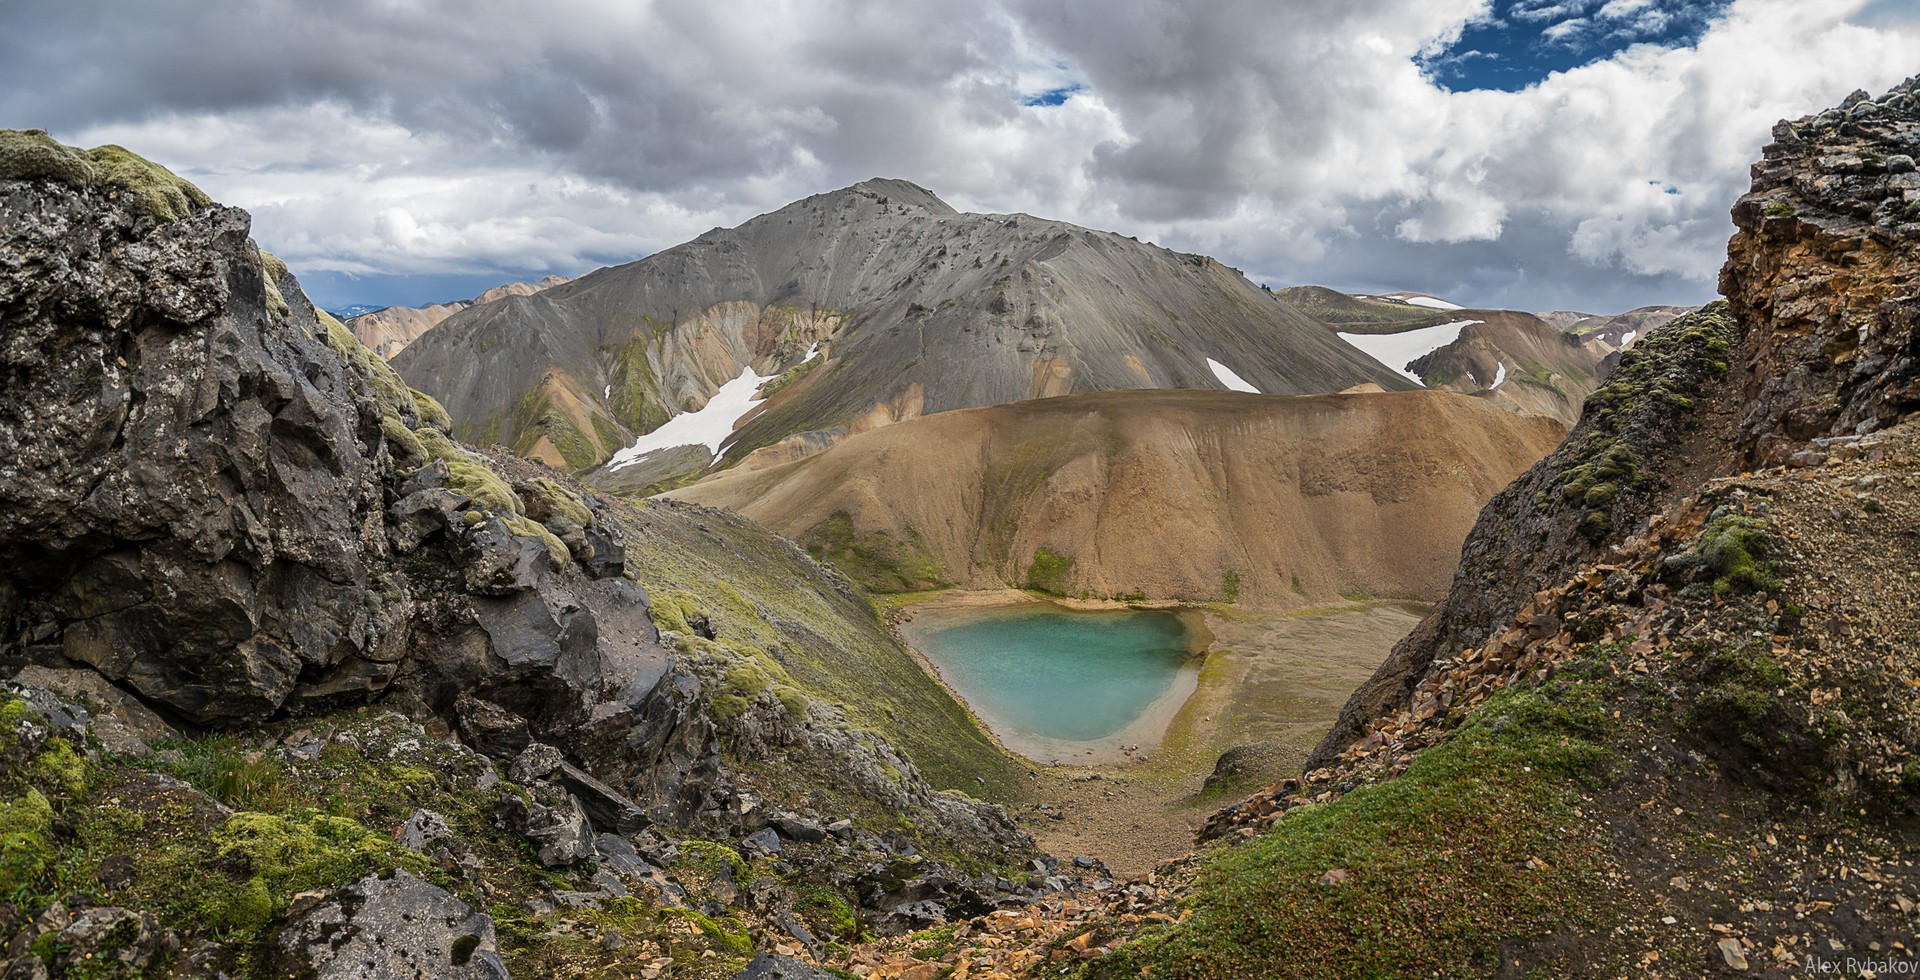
[1397, 350]
[1627, 340]
[609, 394]
[1431, 303]
[1501, 378]
[1233, 381]
[707, 427]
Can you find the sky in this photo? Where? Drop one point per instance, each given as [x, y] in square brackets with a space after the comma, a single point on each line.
[1531, 154]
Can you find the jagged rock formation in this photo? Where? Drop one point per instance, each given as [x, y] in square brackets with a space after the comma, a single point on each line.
[918, 309]
[1816, 341]
[1822, 274]
[1186, 495]
[217, 500]
[387, 331]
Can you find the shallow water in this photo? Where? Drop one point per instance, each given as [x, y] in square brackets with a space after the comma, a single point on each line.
[1053, 682]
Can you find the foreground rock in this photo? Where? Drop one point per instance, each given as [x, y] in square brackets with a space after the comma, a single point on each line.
[400, 928]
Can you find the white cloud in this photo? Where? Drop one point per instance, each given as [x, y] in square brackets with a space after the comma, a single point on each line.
[1299, 141]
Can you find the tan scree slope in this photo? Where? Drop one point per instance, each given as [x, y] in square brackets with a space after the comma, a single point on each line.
[1171, 494]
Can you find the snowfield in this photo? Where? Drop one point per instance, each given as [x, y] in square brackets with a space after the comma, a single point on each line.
[1397, 350]
[707, 427]
[1233, 381]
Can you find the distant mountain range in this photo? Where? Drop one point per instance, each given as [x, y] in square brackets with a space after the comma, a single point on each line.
[387, 330]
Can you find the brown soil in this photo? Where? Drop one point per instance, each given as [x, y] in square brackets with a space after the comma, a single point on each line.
[1188, 495]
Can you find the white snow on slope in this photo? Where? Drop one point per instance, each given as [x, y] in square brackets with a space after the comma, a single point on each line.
[609, 393]
[1627, 340]
[1431, 303]
[1233, 381]
[1501, 378]
[707, 427]
[1397, 350]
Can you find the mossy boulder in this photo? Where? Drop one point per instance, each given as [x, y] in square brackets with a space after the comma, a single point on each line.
[158, 193]
[30, 154]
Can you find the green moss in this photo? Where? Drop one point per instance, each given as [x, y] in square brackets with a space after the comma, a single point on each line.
[730, 933]
[877, 560]
[403, 443]
[1736, 548]
[1477, 844]
[158, 192]
[1048, 572]
[30, 154]
[832, 916]
[1230, 587]
[267, 859]
[61, 769]
[561, 500]
[526, 527]
[1778, 210]
[431, 412]
[713, 858]
[26, 848]
[794, 700]
[272, 270]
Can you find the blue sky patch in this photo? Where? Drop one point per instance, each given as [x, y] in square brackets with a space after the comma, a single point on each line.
[1053, 96]
[1521, 42]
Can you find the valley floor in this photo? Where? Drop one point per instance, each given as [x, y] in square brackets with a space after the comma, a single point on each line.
[1269, 688]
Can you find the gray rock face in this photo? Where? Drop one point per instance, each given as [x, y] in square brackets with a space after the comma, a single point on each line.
[772, 966]
[399, 928]
[918, 309]
[201, 481]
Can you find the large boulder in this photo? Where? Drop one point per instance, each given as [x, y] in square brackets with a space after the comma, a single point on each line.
[398, 928]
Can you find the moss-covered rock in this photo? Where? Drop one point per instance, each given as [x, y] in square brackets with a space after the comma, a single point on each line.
[30, 154]
[158, 193]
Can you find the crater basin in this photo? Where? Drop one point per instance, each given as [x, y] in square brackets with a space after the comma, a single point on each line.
[1065, 685]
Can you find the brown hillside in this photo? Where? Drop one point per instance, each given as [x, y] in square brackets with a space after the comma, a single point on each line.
[1193, 495]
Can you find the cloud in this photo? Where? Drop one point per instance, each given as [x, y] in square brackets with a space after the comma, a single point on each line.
[1299, 141]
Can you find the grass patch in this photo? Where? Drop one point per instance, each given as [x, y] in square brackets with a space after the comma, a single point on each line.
[1736, 548]
[1049, 571]
[1477, 844]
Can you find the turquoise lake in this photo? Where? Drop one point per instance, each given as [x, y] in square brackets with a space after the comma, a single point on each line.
[1056, 683]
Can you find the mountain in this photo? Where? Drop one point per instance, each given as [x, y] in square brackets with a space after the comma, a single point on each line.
[915, 309]
[1194, 496]
[388, 330]
[1517, 361]
[1358, 314]
[1618, 331]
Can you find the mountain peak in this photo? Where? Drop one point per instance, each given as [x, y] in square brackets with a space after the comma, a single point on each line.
[892, 190]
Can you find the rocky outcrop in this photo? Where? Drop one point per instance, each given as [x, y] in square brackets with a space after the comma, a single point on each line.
[1823, 274]
[398, 928]
[1638, 434]
[1817, 346]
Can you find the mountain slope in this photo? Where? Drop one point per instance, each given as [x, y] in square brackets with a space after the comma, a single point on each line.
[919, 309]
[387, 331]
[1191, 495]
[1517, 361]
